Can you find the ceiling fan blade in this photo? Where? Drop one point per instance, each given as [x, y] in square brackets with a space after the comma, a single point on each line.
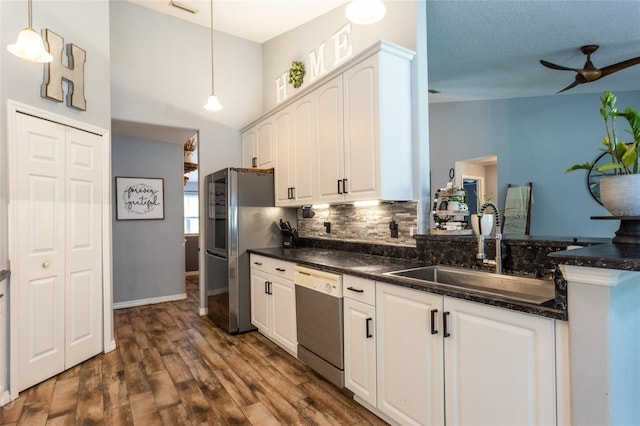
[572, 85]
[610, 69]
[556, 67]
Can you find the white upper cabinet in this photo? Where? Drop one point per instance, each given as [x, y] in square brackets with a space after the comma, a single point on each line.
[364, 130]
[329, 164]
[348, 139]
[295, 141]
[258, 146]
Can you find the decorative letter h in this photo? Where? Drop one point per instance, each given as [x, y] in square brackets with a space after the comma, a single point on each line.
[56, 71]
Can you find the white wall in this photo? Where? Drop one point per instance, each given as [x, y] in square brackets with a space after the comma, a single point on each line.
[161, 74]
[398, 26]
[85, 24]
[536, 140]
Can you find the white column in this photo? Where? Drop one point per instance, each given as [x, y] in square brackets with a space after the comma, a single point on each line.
[604, 332]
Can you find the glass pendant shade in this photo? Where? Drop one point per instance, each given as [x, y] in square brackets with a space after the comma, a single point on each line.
[30, 47]
[365, 12]
[213, 103]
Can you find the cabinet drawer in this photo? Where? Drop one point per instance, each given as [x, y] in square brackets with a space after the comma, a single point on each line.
[260, 263]
[281, 268]
[360, 289]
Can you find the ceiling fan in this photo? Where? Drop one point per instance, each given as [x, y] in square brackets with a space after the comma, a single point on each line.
[589, 73]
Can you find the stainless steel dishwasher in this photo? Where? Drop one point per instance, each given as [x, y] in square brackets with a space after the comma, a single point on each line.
[319, 322]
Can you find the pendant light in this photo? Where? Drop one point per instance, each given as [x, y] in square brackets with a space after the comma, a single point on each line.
[213, 103]
[365, 12]
[30, 45]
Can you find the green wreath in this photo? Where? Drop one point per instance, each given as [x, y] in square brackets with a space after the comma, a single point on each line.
[296, 74]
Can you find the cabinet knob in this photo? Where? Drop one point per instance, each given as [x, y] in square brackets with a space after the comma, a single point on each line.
[45, 264]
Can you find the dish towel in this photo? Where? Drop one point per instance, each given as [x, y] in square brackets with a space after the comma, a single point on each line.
[516, 203]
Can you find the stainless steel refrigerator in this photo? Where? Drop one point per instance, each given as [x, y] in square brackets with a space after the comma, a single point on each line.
[240, 216]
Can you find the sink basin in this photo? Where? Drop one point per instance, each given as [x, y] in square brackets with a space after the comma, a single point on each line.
[529, 290]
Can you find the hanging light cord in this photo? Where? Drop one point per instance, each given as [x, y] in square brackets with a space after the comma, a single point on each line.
[212, 79]
[29, 13]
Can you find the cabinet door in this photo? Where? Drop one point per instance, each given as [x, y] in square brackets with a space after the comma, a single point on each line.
[410, 360]
[283, 298]
[284, 158]
[248, 150]
[265, 144]
[361, 131]
[499, 366]
[329, 142]
[260, 301]
[303, 144]
[360, 350]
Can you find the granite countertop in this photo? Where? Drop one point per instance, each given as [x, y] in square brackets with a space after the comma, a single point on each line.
[373, 267]
[610, 256]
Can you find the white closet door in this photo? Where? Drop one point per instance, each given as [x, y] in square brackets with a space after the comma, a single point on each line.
[40, 235]
[59, 259]
[83, 246]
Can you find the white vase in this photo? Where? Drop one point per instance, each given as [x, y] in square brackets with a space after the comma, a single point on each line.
[188, 156]
[487, 224]
[620, 194]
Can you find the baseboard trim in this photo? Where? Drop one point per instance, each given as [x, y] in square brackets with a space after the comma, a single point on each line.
[191, 273]
[5, 398]
[150, 301]
[203, 312]
[110, 347]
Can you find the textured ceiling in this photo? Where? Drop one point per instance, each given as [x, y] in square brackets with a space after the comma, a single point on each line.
[491, 49]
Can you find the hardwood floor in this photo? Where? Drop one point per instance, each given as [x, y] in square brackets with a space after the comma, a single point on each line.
[174, 367]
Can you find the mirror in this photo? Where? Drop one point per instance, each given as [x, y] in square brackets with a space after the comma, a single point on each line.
[593, 177]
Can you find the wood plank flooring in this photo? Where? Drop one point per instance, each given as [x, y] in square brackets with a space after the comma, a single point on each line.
[173, 367]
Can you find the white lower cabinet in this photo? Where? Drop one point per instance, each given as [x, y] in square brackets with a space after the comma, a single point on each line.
[360, 338]
[434, 360]
[410, 358]
[499, 366]
[273, 301]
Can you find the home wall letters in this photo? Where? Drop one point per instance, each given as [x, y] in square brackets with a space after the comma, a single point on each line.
[55, 72]
[315, 63]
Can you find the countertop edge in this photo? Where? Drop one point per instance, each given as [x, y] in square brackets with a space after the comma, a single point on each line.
[377, 274]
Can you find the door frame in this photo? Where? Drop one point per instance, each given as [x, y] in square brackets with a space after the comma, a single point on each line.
[109, 344]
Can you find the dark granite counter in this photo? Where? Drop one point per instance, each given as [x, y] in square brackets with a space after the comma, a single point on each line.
[608, 256]
[373, 267]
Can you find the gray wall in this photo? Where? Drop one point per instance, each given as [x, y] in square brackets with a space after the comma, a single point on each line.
[536, 140]
[148, 255]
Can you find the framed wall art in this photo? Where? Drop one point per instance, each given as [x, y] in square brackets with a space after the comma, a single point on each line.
[139, 198]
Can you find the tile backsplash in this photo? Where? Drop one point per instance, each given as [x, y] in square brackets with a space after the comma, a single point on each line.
[370, 224]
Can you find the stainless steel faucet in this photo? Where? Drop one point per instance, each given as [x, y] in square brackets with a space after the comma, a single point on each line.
[481, 256]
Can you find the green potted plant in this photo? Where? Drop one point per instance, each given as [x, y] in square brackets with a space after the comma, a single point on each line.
[619, 188]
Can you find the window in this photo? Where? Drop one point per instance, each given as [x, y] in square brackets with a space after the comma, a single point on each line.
[191, 214]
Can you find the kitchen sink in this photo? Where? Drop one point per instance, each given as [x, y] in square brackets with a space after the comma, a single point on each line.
[523, 289]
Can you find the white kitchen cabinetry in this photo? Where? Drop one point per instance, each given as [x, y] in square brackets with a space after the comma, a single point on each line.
[360, 338]
[499, 366]
[258, 146]
[410, 358]
[329, 164]
[273, 302]
[295, 141]
[369, 156]
[493, 366]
